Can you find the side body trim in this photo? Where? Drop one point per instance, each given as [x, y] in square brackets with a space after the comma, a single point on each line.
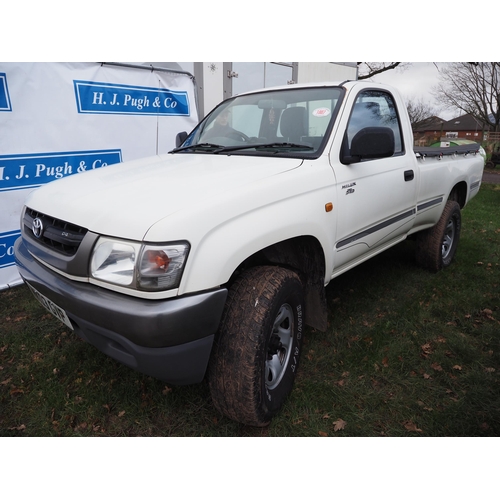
[375, 228]
[428, 204]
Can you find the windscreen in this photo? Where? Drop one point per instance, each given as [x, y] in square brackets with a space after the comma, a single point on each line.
[286, 122]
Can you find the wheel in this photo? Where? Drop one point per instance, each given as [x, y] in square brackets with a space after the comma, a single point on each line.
[436, 246]
[256, 353]
[489, 164]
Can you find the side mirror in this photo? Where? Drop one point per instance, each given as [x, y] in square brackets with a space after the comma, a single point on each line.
[369, 143]
[180, 138]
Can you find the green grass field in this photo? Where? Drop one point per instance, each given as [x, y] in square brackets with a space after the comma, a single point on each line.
[407, 353]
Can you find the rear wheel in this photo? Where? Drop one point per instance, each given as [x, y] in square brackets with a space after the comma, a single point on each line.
[437, 246]
[256, 353]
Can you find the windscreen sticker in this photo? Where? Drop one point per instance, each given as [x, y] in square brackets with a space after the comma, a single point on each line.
[320, 112]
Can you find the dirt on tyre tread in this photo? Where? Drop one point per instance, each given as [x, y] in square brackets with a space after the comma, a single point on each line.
[235, 374]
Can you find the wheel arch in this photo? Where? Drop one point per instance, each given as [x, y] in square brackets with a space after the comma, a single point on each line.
[305, 256]
[459, 193]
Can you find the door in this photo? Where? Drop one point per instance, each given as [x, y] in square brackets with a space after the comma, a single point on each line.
[375, 196]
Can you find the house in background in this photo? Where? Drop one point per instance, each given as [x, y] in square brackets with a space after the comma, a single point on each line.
[435, 129]
[428, 131]
[464, 127]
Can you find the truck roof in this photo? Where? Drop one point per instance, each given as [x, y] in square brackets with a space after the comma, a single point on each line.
[339, 83]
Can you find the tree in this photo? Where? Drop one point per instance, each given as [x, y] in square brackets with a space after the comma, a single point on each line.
[419, 110]
[369, 69]
[472, 88]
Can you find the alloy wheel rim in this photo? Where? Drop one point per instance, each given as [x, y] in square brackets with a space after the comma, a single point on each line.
[279, 348]
[449, 236]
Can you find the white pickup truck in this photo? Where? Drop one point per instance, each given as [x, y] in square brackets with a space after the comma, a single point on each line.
[210, 260]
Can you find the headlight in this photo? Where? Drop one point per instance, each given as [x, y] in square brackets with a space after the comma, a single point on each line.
[114, 261]
[136, 265]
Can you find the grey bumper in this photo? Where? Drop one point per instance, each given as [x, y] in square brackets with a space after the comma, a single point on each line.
[168, 339]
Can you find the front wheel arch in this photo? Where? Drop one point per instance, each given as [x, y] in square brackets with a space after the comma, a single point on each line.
[305, 256]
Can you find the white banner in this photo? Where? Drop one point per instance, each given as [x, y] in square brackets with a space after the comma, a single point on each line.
[60, 119]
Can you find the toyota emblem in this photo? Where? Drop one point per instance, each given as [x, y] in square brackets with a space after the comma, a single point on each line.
[37, 227]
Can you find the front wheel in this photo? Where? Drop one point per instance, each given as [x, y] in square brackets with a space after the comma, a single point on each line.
[256, 353]
[436, 246]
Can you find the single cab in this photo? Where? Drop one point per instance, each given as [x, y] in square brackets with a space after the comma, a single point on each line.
[211, 259]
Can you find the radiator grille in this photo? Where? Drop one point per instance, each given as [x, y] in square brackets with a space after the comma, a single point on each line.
[56, 234]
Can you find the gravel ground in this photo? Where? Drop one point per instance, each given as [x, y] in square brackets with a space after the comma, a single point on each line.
[491, 177]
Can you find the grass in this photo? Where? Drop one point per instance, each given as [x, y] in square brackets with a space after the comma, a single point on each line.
[407, 353]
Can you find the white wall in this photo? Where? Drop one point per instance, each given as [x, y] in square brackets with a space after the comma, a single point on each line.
[310, 72]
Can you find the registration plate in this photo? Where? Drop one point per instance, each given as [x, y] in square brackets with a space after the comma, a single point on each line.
[59, 313]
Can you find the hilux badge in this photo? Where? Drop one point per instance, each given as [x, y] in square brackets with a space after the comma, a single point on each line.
[37, 227]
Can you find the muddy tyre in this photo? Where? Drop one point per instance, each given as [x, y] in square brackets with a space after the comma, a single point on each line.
[437, 246]
[256, 353]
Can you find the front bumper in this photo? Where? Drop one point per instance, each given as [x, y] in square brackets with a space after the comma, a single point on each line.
[167, 339]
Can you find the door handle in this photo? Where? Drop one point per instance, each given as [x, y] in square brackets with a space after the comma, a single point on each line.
[409, 175]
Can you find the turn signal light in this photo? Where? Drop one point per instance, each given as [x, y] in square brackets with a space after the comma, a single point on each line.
[159, 258]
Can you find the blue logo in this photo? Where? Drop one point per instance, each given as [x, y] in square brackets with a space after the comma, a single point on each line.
[112, 98]
[7, 247]
[4, 94]
[33, 170]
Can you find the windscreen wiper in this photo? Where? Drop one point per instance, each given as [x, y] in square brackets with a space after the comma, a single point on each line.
[217, 148]
[203, 146]
[272, 145]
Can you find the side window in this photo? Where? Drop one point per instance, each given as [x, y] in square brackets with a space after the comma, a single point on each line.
[375, 108]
